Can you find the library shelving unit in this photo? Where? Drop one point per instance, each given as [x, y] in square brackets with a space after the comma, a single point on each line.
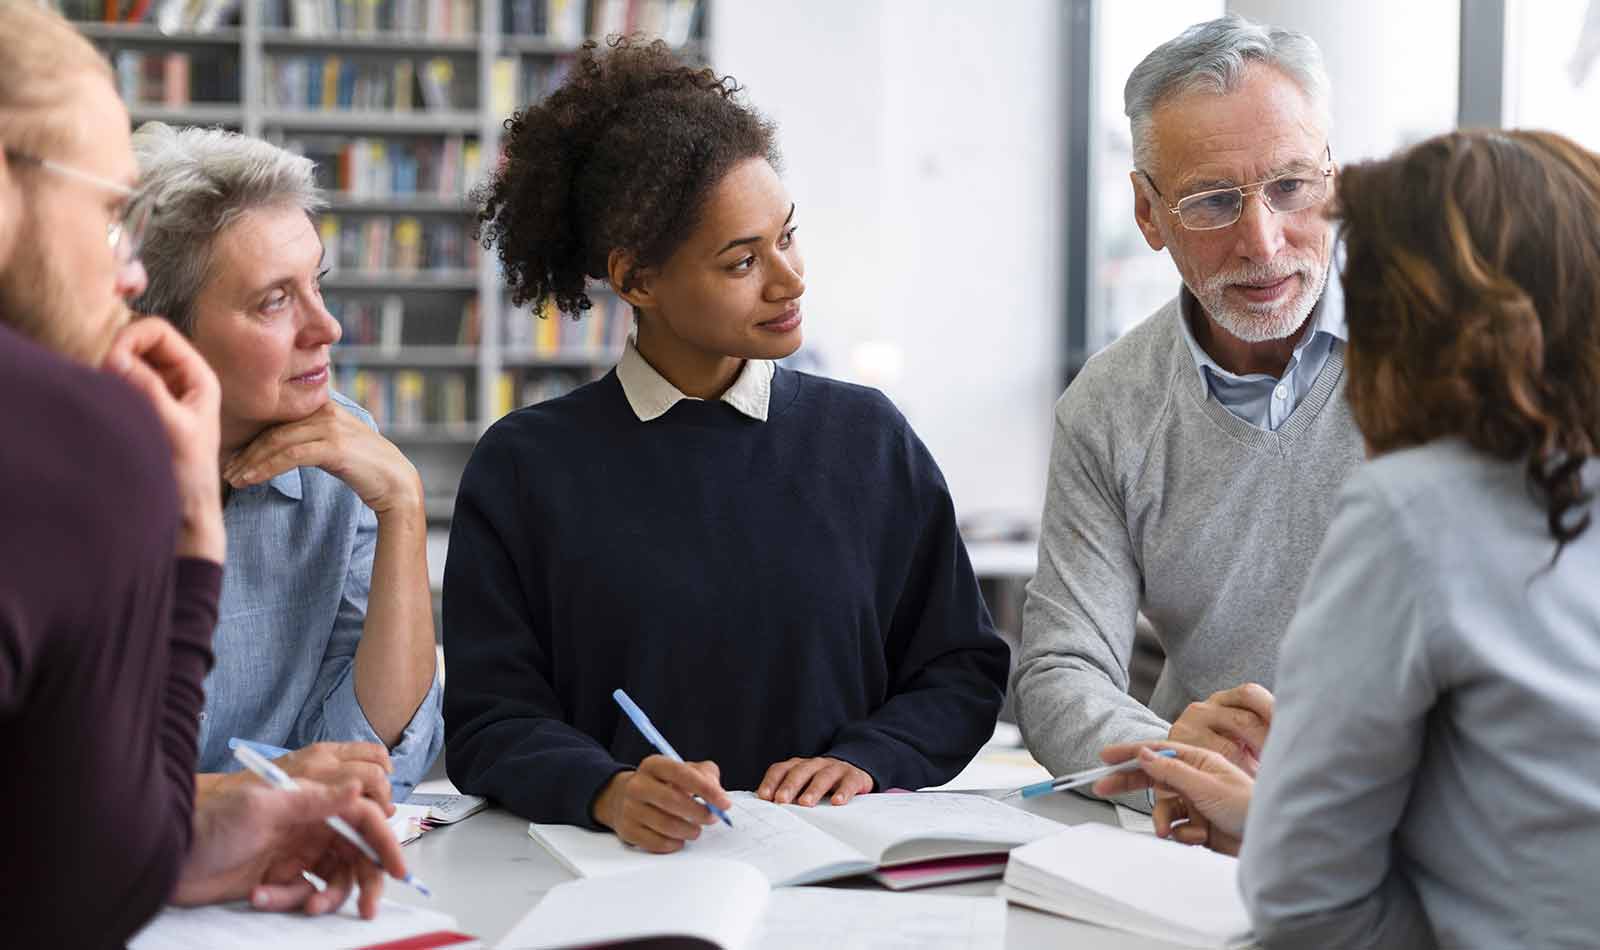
[404, 123]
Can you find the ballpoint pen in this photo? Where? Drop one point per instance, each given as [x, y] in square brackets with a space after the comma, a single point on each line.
[278, 778]
[655, 738]
[1076, 779]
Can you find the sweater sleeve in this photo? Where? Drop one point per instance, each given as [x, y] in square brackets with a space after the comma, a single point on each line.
[1071, 680]
[334, 713]
[507, 735]
[194, 617]
[947, 666]
[1317, 868]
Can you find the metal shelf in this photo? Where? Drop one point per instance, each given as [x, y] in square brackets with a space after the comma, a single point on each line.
[379, 42]
[399, 204]
[147, 34]
[419, 356]
[534, 45]
[373, 120]
[461, 434]
[578, 359]
[464, 280]
[201, 114]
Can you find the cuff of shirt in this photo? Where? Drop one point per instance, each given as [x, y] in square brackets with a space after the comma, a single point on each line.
[871, 758]
[419, 743]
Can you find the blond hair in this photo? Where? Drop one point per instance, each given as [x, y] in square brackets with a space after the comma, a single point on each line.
[42, 59]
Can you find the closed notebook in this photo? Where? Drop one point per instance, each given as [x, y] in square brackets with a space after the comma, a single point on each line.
[730, 906]
[1134, 882]
[791, 844]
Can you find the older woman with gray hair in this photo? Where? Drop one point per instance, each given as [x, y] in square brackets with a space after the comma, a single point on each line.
[325, 643]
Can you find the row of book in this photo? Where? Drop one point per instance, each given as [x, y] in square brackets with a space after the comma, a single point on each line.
[402, 244]
[395, 85]
[170, 16]
[411, 399]
[381, 322]
[449, 19]
[545, 331]
[573, 21]
[516, 82]
[175, 80]
[442, 167]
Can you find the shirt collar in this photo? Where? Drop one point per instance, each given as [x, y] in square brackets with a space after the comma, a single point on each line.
[288, 484]
[650, 395]
[1327, 317]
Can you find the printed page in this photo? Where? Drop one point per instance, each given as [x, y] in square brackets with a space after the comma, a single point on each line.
[896, 828]
[715, 901]
[765, 836]
[808, 918]
[240, 925]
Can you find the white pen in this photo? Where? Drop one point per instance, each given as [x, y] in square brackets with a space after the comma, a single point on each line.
[278, 778]
[1076, 779]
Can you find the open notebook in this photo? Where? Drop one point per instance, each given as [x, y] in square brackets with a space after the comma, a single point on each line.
[790, 844]
[1134, 882]
[242, 926]
[729, 905]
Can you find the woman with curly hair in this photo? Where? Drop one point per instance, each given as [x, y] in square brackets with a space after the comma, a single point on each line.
[767, 561]
[1430, 778]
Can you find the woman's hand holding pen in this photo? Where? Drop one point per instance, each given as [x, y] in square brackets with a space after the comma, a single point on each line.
[1213, 794]
[654, 808]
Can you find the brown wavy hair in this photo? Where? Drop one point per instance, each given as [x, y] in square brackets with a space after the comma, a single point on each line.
[1472, 289]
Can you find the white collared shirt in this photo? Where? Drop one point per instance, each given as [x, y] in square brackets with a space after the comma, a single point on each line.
[650, 395]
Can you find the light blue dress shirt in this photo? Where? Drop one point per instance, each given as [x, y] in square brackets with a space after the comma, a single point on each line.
[294, 599]
[1259, 399]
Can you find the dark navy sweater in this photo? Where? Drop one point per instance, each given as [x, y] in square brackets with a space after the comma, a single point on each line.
[793, 587]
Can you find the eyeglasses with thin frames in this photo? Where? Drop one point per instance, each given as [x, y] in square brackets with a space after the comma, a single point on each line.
[1219, 208]
[125, 231]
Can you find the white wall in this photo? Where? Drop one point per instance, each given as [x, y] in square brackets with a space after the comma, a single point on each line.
[922, 143]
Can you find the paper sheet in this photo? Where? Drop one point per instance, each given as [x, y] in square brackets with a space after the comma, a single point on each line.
[808, 918]
[406, 822]
[783, 848]
[238, 925]
[1135, 820]
[875, 823]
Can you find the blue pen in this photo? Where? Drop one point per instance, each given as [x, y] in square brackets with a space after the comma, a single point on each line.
[270, 751]
[655, 738]
[1076, 779]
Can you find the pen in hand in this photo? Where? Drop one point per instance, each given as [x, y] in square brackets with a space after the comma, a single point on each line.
[655, 738]
[1077, 779]
[278, 778]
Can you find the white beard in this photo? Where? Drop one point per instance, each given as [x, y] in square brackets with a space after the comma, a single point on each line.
[1259, 325]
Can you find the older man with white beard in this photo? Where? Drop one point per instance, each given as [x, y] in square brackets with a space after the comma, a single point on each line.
[1196, 460]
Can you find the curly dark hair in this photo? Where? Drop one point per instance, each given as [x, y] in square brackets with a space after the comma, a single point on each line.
[621, 155]
[1472, 283]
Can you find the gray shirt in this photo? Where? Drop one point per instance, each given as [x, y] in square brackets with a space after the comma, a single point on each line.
[1432, 772]
[1161, 500]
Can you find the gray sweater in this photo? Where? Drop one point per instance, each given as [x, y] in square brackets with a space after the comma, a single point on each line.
[1432, 773]
[1162, 501]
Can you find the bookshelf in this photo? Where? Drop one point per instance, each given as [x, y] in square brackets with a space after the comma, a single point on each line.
[401, 103]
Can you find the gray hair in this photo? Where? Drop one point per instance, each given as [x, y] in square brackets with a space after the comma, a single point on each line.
[1214, 56]
[202, 180]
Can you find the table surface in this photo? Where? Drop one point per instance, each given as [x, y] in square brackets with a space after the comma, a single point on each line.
[487, 873]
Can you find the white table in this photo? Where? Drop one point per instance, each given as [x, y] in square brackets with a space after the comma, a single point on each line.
[487, 873]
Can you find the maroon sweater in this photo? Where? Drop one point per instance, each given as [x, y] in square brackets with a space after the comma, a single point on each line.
[105, 637]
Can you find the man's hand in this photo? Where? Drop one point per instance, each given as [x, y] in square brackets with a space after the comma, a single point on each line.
[340, 444]
[328, 763]
[1209, 795]
[160, 363]
[253, 842]
[1232, 723]
[808, 781]
[652, 808]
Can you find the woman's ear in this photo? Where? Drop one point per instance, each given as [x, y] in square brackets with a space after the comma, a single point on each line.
[630, 281]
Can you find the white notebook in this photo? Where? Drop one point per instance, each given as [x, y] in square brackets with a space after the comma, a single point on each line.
[791, 844]
[1134, 882]
[241, 926]
[729, 905]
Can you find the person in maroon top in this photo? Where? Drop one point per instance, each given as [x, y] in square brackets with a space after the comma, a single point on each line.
[111, 545]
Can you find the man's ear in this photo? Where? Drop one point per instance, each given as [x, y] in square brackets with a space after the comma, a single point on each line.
[1145, 208]
[631, 282]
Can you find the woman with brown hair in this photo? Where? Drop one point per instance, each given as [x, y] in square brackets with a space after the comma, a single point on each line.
[1430, 776]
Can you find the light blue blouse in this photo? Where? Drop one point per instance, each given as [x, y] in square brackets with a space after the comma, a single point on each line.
[294, 599]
